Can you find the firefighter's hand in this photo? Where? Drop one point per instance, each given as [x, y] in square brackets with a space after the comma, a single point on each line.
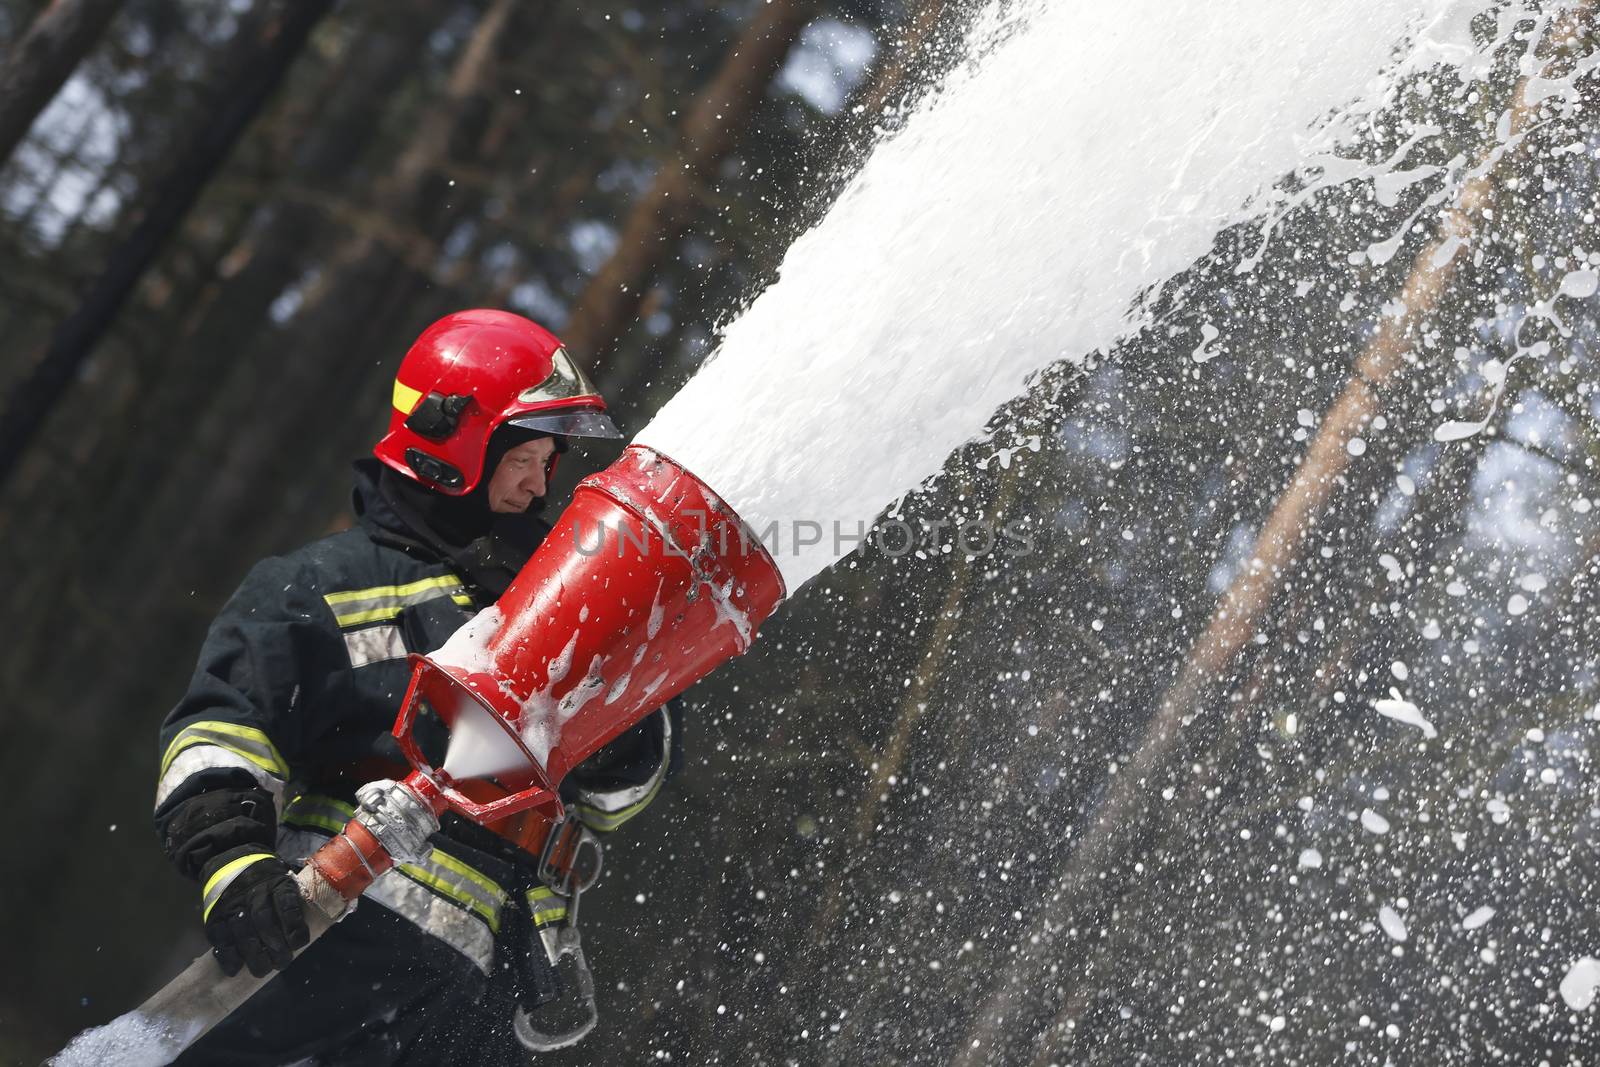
[254, 914]
[205, 826]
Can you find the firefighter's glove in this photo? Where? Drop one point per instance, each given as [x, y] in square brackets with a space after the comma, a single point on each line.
[254, 914]
[205, 826]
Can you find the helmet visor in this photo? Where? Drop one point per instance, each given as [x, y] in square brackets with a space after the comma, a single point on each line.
[585, 422]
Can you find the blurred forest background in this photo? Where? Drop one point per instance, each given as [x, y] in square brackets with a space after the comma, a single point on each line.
[1132, 797]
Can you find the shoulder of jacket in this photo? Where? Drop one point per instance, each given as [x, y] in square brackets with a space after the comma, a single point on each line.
[349, 566]
[328, 563]
[345, 554]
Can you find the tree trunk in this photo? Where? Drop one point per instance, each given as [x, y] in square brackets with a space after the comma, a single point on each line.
[264, 56]
[297, 411]
[135, 667]
[41, 60]
[256, 262]
[610, 301]
[1120, 818]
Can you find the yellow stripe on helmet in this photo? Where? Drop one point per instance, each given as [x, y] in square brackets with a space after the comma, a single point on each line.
[405, 397]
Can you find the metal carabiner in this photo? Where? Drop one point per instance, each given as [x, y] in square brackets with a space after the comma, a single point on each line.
[572, 858]
[568, 943]
[569, 864]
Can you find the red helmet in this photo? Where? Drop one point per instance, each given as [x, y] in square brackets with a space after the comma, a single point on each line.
[471, 373]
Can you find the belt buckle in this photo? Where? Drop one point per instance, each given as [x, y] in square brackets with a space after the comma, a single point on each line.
[570, 861]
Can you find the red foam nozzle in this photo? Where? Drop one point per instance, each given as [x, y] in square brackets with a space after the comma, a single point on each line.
[648, 582]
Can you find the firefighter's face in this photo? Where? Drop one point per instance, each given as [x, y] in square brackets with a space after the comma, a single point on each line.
[520, 479]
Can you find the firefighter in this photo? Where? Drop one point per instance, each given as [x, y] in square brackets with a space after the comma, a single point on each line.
[290, 709]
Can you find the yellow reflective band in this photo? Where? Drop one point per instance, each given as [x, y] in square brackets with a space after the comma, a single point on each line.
[217, 882]
[383, 602]
[445, 889]
[546, 906]
[606, 821]
[311, 818]
[405, 397]
[200, 739]
[343, 807]
[359, 618]
[302, 812]
[444, 581]
[264, 754]
[477, 878]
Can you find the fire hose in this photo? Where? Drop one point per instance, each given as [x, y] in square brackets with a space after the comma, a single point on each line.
[392, 825]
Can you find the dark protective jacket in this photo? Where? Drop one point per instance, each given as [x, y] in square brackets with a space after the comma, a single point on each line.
[297, 688]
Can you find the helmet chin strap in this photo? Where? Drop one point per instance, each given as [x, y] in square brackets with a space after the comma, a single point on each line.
[455, 521]
[490, 548]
